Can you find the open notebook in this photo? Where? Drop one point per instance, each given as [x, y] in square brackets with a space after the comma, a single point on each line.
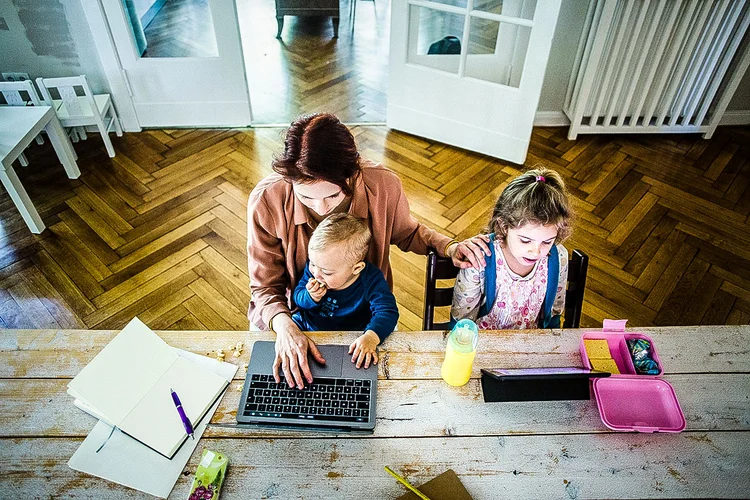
[127, 385]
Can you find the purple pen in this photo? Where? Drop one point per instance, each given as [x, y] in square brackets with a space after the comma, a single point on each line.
[185, 421]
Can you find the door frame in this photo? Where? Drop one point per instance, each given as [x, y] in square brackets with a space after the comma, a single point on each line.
[115, 73]
[110, 62]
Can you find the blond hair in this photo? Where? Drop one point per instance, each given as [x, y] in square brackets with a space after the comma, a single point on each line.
[342, 228]
[537, 196]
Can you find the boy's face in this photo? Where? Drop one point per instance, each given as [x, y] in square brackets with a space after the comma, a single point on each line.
[527, 244]
[333, 268]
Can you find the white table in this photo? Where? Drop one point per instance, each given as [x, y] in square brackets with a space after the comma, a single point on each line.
[18, 127]
[537, 449]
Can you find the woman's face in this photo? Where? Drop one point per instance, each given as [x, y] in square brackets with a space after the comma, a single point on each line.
[322, 197]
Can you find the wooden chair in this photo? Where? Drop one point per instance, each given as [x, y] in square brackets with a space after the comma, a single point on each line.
[438, 268]
[443, 268]
[578, 266]
[77, 111]
[21, 94]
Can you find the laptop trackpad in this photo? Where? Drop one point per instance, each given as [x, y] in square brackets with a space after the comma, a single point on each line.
[334, 356]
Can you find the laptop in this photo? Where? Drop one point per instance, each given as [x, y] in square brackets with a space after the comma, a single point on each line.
[340, 398]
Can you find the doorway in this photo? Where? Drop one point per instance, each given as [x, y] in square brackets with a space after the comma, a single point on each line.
[308, 70]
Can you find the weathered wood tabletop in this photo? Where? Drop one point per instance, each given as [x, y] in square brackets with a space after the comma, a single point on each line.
[557, 449]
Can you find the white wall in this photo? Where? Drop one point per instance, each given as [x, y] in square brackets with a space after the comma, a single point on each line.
[49, 38]
[562, 53]
[741, 99]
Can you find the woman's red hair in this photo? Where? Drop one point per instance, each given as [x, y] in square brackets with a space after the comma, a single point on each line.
[319, 147]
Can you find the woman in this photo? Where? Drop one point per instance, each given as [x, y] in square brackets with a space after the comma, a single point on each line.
[319, 173]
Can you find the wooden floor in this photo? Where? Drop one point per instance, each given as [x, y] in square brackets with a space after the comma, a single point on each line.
[305, 71]
[159, 230]
[181, 28]
[308, 70]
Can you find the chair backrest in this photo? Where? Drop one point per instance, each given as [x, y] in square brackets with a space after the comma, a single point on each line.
[20, 93]
[578, 266]
[443, 268]
[67, 89]
[437, 268]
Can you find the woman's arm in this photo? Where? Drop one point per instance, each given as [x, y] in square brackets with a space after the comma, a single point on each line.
[268, 286]
[412, 236]
[269, 279]
[409, 234]
[468, 293]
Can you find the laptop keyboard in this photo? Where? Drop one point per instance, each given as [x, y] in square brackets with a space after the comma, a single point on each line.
[329, 399]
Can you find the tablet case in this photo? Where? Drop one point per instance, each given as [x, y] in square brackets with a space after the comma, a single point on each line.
[558, 387]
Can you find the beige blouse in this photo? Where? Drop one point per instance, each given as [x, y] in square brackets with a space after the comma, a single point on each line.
[279, 228]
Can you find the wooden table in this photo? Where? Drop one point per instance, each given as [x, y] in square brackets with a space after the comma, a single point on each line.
[502, 450]
[18, 127]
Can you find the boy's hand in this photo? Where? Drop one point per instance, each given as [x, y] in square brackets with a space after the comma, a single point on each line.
[365, 349]
[316, 289]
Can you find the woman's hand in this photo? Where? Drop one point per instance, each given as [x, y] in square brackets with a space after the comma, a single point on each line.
[470, 252]
[365, 349]
[291, 352]
[316, 289]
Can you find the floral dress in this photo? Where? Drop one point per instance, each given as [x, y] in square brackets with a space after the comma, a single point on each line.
[518, 299]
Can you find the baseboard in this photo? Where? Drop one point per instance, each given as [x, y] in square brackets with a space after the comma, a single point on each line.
[551, 119]
[740, 117]
[560, 119]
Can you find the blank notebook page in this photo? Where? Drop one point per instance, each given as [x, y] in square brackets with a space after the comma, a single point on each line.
[155, 421]
[124, 371]
[128, 384]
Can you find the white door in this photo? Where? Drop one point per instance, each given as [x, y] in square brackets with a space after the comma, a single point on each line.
[479, 90]
[187, 73]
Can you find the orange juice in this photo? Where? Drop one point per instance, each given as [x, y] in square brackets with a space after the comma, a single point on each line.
[460, 353]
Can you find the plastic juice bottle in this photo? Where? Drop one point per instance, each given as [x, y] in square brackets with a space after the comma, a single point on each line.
[460, 352]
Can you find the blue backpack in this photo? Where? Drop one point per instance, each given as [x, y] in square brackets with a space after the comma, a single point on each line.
[553, 275]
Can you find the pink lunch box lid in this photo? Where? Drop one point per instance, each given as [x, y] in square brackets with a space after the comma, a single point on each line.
[645, 405]
[629, 401]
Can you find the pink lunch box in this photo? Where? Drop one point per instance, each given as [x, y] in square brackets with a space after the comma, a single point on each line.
[630, 401]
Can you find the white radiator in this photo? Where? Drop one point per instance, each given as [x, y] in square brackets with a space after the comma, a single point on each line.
[657, 66]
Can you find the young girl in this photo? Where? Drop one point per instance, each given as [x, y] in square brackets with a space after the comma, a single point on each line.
[521, 290]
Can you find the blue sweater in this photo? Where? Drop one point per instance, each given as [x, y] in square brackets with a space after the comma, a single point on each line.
[366, 304]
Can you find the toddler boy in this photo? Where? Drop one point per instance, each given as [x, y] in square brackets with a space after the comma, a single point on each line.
[340, 291]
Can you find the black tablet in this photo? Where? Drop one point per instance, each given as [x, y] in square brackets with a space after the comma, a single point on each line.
[554, 372]
[537, 384]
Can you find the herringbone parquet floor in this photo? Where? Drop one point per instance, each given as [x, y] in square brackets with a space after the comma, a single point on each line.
[159, 230]
[307, 70]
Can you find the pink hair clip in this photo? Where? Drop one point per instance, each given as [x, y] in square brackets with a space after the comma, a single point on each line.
[540, 178]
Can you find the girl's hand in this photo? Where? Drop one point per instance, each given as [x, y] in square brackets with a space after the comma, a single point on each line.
[365, 349]
[470, 252]
[316, 289]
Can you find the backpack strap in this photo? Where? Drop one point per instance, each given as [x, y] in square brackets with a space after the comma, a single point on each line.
[490, 278]
[489, 283]
[553, 276]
